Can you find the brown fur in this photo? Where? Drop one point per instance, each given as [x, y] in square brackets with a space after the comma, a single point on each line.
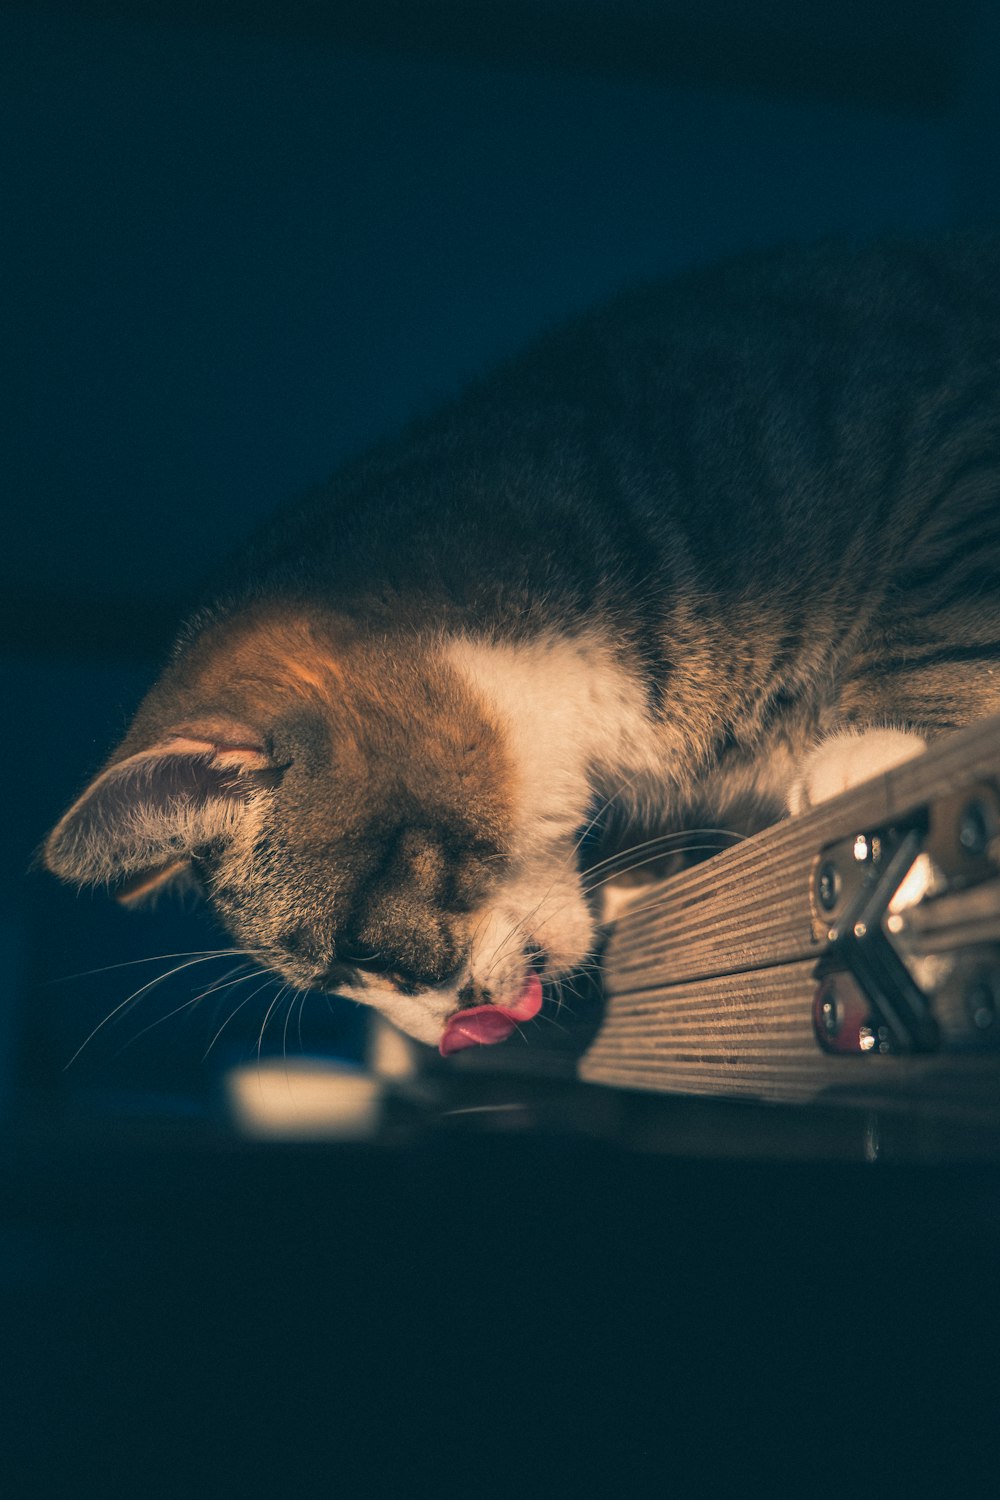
[379, 751]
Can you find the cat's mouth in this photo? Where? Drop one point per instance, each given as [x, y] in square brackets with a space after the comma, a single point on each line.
[485, 1024]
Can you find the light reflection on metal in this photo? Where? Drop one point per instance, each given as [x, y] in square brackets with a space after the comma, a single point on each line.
[860, 847]
[919, 881]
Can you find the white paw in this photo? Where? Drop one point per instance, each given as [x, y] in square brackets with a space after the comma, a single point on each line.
[614, 899]
[848, 758]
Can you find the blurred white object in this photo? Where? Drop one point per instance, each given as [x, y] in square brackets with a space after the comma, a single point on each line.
[304, 1099]
[390, 1054]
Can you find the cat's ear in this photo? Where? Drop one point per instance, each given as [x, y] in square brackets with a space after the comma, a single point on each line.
[137, 825]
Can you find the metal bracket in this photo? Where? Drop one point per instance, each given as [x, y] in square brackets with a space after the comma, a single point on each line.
[871, 996]
[897, 1016]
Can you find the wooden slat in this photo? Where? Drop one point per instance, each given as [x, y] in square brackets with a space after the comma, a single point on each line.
[750, 1036]
[710, 976]
[748, 907]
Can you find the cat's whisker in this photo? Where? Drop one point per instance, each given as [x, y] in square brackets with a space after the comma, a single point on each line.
[284, 1031]
[158, 1022]
[514, 931]
[560, 1006]
[218, 985]
[613, 875]
[234, 1013]
[521, 925]
[221, 994]
[479, 1109]
[665, 841]
[138, 994]
[153, 958]
[624, 787]
[185, 1005]
[640, 864]
[589, 966]
[131, 999]
[478, 928]
[263, 1027]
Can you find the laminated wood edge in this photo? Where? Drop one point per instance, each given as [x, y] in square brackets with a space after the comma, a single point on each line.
[750, 1036]
[748, 907]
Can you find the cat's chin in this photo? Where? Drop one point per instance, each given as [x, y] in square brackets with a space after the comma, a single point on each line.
[412, 1014]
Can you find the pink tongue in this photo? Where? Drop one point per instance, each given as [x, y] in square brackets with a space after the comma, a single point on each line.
[486, 1024]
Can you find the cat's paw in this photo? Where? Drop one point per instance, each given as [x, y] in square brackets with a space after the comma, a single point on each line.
[848, 758]
[615, 897]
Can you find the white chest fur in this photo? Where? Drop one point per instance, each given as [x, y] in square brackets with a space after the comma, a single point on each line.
[574, 719]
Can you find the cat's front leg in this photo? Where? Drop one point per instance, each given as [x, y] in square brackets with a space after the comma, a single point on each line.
[847, 758]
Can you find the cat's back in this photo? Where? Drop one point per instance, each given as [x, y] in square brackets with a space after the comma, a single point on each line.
[945, 287]
[787, 397]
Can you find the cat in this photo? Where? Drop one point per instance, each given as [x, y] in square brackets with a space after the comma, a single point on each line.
[726, 546]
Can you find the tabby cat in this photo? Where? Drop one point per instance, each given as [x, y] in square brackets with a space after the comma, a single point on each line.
[730, 544]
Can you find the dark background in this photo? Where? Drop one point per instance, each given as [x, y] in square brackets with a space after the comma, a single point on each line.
[237, 243]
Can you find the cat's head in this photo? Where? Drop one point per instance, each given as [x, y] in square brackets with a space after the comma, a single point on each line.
[358, 816]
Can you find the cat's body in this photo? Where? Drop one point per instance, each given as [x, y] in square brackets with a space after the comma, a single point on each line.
[723, 547]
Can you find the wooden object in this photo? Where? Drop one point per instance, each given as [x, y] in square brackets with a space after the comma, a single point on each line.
[734, 979]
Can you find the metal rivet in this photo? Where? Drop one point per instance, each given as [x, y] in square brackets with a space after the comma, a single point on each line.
[981, 1003]
[831, 1016]
[974, 828]
[828, 885]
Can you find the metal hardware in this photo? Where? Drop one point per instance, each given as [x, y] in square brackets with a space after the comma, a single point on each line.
[827, 885]
[963, 834]
[981, 1002]
[727, 985]
[896, 1014]
[844, 1020]
[910, 919]
[973, 828]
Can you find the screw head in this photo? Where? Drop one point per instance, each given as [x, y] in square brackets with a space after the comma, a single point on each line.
[981, 1004]
[829, 1012]
[974, 828]
[828, 885]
